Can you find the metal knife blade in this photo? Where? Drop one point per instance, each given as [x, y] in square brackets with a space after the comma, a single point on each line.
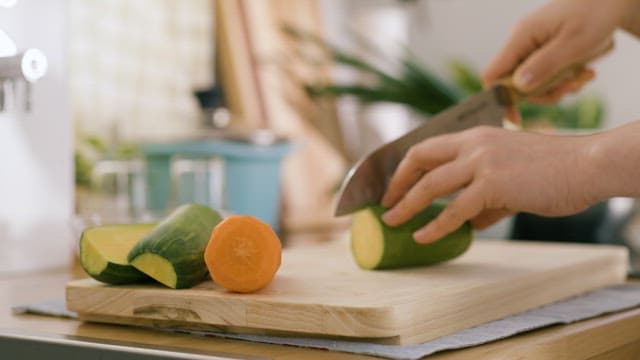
[367, 180]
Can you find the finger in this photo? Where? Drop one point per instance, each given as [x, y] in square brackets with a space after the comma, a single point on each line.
[555, 95]
[488, 218]
[441, 181]
[418, 160]
[465, 206]
[571, 86]
[518, 46]
[548, 61]
[405, 176]
[587, 75]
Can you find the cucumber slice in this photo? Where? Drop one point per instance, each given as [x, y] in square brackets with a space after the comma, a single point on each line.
[104, 249]
[173, 253]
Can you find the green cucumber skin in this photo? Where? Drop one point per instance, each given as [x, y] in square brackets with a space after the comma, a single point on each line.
[401, 250]
[115, 274]
[181, 238]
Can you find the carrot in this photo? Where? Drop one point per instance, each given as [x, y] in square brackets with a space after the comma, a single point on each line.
[243, 254]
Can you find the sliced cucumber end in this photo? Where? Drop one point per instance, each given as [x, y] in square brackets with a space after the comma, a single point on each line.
[367, 239]
[115, 241]
[156, 267]
[91, 259]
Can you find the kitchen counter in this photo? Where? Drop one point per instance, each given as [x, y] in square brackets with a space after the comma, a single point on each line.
[610, 337]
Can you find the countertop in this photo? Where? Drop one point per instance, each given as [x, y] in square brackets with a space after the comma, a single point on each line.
[610, 337]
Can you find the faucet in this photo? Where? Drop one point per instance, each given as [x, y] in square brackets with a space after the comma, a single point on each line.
[24, 67]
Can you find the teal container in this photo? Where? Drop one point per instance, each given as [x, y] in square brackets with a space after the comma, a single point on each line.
[252, 174]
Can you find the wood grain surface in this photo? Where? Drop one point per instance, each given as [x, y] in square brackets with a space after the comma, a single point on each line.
[320, 291]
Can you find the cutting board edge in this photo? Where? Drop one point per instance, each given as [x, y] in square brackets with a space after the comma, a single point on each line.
[616, 262]
[153, 324]
[327, 317]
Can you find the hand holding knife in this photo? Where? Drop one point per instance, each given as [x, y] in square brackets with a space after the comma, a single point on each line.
[367, 181]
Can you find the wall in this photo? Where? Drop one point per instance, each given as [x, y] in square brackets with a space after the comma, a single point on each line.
[35, 148]
[135, 65]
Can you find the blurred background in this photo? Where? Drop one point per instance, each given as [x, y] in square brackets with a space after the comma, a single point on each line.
[250, 106]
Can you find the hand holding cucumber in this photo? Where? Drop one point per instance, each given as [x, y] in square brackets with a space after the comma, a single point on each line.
[500, 171]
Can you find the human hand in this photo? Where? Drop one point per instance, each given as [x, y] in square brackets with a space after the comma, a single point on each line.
[497, 172]
[557, 36]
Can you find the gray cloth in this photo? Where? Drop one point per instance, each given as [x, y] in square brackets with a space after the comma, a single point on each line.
[583, 307]
[55, 307]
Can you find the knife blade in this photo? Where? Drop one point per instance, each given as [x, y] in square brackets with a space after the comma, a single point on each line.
[367, 180]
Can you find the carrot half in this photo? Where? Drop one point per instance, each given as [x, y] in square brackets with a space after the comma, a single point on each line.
[243, 254]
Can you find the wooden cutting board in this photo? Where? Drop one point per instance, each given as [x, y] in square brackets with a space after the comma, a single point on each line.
[320, 291]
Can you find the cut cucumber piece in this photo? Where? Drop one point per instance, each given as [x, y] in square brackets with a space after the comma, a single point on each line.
[173, 253]
[104, 250]
[377, 246]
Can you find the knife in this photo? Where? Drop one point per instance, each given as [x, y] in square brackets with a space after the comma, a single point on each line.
[366, 182]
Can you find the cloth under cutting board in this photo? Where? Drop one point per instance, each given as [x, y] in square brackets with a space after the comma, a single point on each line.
[590, 305]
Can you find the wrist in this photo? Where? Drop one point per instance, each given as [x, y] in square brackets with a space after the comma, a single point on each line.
[610, 163]
[591, 164]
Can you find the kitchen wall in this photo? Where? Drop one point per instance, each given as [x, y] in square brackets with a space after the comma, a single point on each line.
[474, 30]
[36, 181]
[135, 64]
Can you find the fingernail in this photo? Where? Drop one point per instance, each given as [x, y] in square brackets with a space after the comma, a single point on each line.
[425, 235]
[523, 79]
[389, 217]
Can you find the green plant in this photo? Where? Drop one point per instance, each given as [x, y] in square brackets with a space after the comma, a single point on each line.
[90, 149]
[415, 86]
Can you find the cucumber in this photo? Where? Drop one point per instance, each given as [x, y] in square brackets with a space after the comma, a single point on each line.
[173, 252]
[377, 246]
[104, 250]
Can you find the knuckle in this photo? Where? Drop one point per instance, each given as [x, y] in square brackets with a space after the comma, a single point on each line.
[483, 133]
[422, 193]
[523, 26]
[490, 175]
[482, 155]
[490, 192]
[413, 154]
[425, 184]
[451, 215]
[486, 183]
[576, 27]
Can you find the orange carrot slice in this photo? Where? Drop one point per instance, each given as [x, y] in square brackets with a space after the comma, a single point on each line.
[243, 254]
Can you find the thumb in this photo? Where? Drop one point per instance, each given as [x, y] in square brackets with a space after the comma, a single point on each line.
[517, 47]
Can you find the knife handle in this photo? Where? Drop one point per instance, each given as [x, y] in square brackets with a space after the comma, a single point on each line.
[571, 72]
